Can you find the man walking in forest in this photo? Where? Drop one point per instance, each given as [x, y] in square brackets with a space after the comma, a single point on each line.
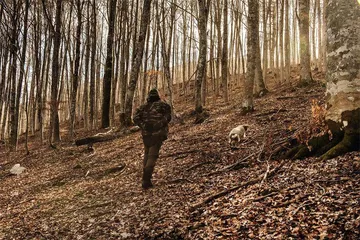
[152, 118]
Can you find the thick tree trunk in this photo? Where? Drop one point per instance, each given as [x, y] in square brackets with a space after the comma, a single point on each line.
[342, 89]
[305, 71]
[343, 61]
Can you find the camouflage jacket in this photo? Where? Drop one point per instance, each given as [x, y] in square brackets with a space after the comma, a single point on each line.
[153, 118]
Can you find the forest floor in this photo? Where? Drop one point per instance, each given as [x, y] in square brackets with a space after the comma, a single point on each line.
[203, 188]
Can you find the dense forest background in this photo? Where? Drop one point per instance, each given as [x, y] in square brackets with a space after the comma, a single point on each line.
[68, 65]
[72, 73]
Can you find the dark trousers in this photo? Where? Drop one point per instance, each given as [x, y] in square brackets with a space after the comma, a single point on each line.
[152, 147]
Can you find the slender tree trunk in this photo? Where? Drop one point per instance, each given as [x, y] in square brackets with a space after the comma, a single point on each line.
[136, 63]
[75, 77]
[93, 66]
[324, 36]
[281, 42]
[54, 135]
[202, 22]
[105, 117]
[253, 26]
[14, 35]
[224, 59]
[305, 71]
[287, 42]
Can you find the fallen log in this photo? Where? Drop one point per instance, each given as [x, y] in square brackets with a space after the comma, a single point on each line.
[107, 136]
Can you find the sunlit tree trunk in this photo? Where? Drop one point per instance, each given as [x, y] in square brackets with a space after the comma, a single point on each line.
[136, 62]
[287, 42]
[252, 38]
[305, 71]
[224, 59]
[93, 66]
[202, 23]
[343, 61]
[75, 77]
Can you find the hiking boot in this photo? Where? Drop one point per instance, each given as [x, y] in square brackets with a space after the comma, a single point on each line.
[147, 184]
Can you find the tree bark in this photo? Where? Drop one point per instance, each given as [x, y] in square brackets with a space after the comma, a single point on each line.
[136, 63]
[343, 61]
[75, 77]
[105, 116]
[93, 67]
[202, 23]
[224, 58]
[252, 38]
[305, 71]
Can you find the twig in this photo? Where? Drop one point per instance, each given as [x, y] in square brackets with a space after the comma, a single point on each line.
[181, 153]
[227, 191]
[265, 196]
[266, 174]
[178, 180]
[197, 165]
[306, 203]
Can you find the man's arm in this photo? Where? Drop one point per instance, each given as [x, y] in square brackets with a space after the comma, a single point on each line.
[137, 118]
[167, 113]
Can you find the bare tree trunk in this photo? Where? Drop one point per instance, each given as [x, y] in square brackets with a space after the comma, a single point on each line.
[87, 49]
[136, 63]
[265, 47]
[305, 71]
[105, 117]
[54, 135]
[281, 42]
[253, 26]
[93, 66]
[324, 43]
[224, 59]
[124, 58]
[287, 42]
[202, 22]
[12, 74]
[75, 78]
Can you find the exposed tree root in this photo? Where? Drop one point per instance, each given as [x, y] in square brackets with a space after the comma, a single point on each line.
[350, 142]
[325, 148]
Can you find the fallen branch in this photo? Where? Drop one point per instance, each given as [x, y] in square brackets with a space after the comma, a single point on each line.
[107, 136]
[237, 165]
[230, 190]
[266, 173]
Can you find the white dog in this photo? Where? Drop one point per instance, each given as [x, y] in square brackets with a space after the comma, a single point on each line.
[237, 133]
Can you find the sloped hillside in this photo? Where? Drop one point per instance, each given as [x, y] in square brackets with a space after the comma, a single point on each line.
[203, 188]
